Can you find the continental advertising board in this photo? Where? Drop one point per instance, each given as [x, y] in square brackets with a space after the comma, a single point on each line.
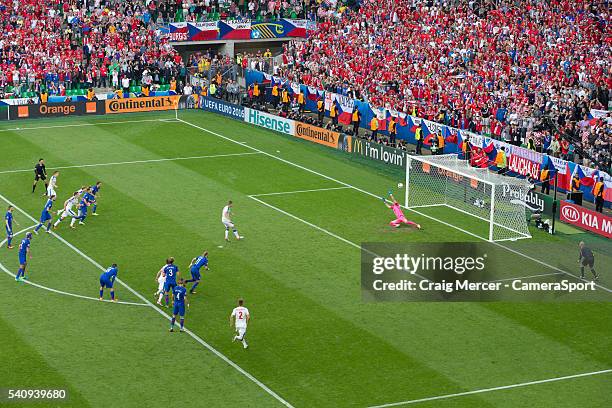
[318, 135]
[154, 103]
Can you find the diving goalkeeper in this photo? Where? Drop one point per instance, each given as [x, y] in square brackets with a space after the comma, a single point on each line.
[400, 218]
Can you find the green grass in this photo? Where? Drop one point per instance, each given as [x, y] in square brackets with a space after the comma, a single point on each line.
[313, 340]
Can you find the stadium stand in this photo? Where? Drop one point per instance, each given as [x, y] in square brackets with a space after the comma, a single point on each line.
[514, 70]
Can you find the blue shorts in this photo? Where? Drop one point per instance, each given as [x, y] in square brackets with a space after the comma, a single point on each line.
[178, 309]
[168, 286]
[195, 274]
[105, 283]
[45, 216]
[23, 259]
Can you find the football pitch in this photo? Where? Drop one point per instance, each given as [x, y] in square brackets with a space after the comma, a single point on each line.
[304, 211]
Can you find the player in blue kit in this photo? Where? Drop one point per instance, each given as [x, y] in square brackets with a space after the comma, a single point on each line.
[24, 254]
[170, 271]
[95, 189]
[85, 202]
[45, 216]
[8, 226]
[194, 267]
[107, 280]
[180, 298]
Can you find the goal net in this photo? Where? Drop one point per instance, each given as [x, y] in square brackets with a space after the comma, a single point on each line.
[454, 189]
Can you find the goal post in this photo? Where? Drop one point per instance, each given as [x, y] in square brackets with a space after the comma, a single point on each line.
[495, 202]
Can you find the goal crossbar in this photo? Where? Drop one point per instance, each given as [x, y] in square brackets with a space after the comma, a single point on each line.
[446, 181]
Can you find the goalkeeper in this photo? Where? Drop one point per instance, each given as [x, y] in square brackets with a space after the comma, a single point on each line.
[400, 218]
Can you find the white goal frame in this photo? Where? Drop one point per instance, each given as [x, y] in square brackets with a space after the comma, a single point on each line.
[498, 230]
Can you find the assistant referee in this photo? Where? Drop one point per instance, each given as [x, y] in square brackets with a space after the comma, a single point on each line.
[40, 173]
[586, 258]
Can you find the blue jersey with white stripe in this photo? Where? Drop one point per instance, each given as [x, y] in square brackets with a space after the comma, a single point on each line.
[200, 262]
[179, 295]
[8, 217]
[110, 274]
[23, 247]
[170, 271]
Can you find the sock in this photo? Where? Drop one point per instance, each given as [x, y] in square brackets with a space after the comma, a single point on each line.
[593, 272]
[582, 271]
[112, 295]
[189, 280]
[33, 187]
[49, 226]
[101, 293]
[236, 234]
[56, 223]
[94, 207]
[244, 343]
[172, 322]
[226, 234]
[72, 222]
[182, 322]
[19, 273]
[167, 299]
[161, 295]
[38, 227]
[8, 240]
[46, 186]
[195, 285]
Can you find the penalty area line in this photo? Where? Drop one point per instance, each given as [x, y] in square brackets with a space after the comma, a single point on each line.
[197, 338]
[299, 166]
[483, 390]
[299, 191]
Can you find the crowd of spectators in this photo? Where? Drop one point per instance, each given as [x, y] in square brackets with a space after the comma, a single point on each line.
[65, 44]
[527, 71]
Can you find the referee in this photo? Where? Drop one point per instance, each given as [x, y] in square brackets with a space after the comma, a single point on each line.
[40, 173]
[586, 258]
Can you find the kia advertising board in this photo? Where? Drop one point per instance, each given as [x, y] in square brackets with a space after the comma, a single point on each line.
[586, 219]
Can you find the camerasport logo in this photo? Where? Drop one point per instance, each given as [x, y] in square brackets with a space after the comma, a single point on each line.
[570, 213]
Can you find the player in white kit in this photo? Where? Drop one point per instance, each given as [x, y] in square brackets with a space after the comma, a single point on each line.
[226, 219]
[68, 210]
[240, 318]
[52, 184]
[161, 281]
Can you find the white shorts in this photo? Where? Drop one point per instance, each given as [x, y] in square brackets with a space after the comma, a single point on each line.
[241, 330]
[50, 191]
[160, 287]
[68, 213]
[228, 224]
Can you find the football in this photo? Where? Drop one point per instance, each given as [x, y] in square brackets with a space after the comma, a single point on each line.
[400, 185]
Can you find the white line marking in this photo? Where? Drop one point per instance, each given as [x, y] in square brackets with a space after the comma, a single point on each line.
[85, 124]
[166, 316]
[529, 277]
[378, 197]
[78, 166]
[299, 191]
[61, 292]
[351, 243]
[503, 387]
